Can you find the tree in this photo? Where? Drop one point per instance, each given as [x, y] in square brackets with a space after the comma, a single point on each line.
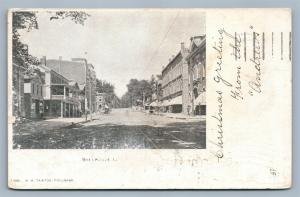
[137, 92]
[28, 20]
[103, 86]
[126, 100]
[22, 20]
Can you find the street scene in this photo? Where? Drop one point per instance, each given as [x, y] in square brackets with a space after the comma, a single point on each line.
[121, 129]
[80, 82]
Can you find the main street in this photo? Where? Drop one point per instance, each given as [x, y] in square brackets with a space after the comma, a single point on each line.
[120, 129]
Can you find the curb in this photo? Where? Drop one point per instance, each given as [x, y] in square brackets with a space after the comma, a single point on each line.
[72, 124]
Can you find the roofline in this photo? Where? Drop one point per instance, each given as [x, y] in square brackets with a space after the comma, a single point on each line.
[168, 65]
[51, 70]
[198, 48]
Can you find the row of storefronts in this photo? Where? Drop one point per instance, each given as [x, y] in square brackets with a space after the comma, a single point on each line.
[44, 92]
[182, 87]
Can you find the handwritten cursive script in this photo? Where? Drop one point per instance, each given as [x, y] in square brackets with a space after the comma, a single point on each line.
[255, 85]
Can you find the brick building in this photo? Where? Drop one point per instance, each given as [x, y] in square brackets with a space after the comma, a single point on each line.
[197, 75]
[175, 80]
[184, 80]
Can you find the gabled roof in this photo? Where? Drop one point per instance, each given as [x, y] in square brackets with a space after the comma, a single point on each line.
[196, 41]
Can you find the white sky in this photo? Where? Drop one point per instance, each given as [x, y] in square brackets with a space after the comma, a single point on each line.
[120, 44]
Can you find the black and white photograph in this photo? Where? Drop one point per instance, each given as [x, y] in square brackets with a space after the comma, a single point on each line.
[110, 79]
[158, 98]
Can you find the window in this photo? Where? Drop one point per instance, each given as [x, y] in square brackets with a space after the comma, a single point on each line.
[57, 90]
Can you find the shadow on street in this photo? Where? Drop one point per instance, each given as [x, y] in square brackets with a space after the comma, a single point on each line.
[175, 135]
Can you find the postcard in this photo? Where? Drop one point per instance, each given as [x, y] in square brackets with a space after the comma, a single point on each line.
[150, 98]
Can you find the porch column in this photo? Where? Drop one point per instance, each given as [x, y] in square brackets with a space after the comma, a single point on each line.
[69, 109]
[73, 111]
[64, 92]
[61, 109]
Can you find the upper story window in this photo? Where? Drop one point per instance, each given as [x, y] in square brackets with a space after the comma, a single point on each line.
[57, 90]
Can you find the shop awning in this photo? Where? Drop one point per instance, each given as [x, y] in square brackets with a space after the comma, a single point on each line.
[164, 103]
[176, 101]
[201, 99]
[154, 104]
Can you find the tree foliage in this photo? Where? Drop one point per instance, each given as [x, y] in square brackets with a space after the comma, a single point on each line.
[103, 86]
[20, 21]
[27, 20]
[137, 92]
[76, 17]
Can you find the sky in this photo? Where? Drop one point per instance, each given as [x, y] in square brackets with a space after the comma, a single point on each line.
[121, 44]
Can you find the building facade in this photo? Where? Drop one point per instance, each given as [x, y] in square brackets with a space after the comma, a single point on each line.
[175, 80]
[61, 96]
[184, 80]
[33, 96]
[18, 90]
[197, 75]
[79, 70]
[100, 101]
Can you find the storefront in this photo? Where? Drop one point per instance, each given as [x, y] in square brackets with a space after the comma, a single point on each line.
[200, 104]
[173, 105]
[33, 97]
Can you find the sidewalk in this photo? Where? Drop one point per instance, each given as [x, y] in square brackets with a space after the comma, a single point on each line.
[182, 116]
[46, 125]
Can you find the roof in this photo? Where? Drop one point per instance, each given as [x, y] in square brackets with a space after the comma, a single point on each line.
[171, 61]
[73, 70]
[196, 42]
[44, 68]
[72, 83]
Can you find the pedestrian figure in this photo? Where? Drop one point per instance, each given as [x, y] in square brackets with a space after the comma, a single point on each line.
[188, 109]
[41, 108]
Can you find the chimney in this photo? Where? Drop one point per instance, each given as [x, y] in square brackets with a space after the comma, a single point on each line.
[182, 46]
[43, 61]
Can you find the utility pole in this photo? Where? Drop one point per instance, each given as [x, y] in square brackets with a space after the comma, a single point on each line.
[85, 98]
[86, 107]
[91, 101]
